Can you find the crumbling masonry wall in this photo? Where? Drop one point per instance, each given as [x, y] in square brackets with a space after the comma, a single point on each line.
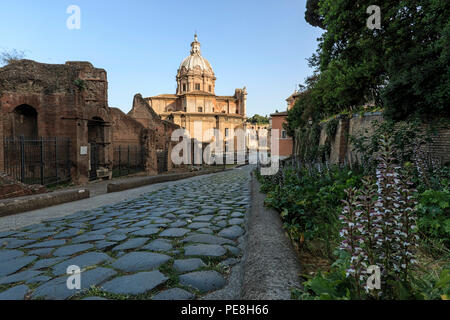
[342, 149]
[65, 97]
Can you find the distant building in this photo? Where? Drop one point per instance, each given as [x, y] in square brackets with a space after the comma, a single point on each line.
[292, 99]
[277, 120]
[195, 99]
[286, 142]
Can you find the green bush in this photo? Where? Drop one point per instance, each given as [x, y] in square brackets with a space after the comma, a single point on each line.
[333, 285]
[310, 201]
[434, 215]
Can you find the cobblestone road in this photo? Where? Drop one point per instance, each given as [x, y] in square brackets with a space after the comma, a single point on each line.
[176, 243]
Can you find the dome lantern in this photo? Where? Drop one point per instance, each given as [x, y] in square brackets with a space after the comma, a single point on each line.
[195, 72]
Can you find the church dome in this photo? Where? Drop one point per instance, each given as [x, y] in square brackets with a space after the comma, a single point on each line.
[195, 60]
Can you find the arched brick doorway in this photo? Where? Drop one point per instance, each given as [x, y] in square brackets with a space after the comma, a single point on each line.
[25, 121]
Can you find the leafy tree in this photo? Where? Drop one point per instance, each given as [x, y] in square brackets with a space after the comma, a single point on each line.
[257, 119]
[403, 67]
[417, 61]
[312, 15]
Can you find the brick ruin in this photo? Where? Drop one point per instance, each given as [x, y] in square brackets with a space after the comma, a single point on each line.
[342, 149]
[9, 188]
[71, 101]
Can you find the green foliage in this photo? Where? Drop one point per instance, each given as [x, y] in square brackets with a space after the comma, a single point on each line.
[80, 84]
[332, 285]
[310, 201]
[257, 119]
[404, 134]
[332, 127]
[434, 215]
[308, 138]
[312, 15]
[429, 286]
[417, 60]
[403, 67]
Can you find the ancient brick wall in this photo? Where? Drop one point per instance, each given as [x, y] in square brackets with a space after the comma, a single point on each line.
[66, 98]
[440, 148]
[364, 125]
[159, 131]
[127, 131]
[2, 156]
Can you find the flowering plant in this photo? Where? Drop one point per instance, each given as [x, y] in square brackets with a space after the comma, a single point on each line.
[379, 225]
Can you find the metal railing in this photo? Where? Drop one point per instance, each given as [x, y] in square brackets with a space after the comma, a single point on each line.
[128, 160]
[44, 161]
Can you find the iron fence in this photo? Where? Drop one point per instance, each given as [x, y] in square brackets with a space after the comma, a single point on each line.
[162, 159]
[44, 161]
[128, 160]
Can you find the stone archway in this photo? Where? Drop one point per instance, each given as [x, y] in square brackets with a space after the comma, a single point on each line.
[25, 121]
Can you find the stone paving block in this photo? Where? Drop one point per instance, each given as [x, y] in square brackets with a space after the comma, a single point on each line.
[14, 265]
[104, 245]
[88, 238]
[236, 221]
[140, 261]
[205, 230]
[67, 234]
[174, 232]
[45, 263]
[178, 224]
[39, 280]
[208, 239]
[15, 293]
[188, 265]
[19, 277]
[72, 249]
[56, 289]
[82, 261]
[39, 235]
[117, 237]
[131, 244]
[205, 218]
[235, 251]
[6, 255]
[208, 250]
[199, 225]
[233, 232]
[158, 245]
[174, 294]
[135, 284]
[94, 299]
[47, 244]
[16, 243]
[204, 281]
[146, 232]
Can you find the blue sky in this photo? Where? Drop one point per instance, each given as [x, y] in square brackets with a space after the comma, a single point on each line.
[261, 44]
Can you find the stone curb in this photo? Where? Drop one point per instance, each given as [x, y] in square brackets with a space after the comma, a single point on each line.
[271, 265]
[40, 201]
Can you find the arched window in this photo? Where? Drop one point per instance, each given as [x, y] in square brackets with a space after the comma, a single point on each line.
[25, 121]
[200, 109]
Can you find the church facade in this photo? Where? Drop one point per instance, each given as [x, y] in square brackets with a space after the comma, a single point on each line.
[195, 99]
